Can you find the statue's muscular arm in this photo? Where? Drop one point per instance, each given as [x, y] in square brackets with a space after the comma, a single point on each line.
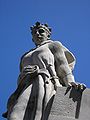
[62, 68]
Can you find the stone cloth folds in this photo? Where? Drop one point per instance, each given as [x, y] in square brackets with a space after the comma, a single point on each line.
[33, 92]
[30, 72]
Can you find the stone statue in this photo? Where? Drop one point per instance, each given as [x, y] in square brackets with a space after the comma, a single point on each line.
[42, 70]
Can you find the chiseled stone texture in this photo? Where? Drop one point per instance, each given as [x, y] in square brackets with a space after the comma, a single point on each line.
[70, 104]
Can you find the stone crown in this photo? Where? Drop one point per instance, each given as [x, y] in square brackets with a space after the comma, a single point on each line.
[39, 25]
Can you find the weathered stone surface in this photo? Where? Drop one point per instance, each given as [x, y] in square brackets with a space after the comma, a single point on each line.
[71, 105]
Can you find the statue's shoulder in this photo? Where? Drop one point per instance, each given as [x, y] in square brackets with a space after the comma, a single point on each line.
[27, 53]
[24, 56]
[56, 45]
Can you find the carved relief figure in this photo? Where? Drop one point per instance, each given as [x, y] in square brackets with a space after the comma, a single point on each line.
[42, 70]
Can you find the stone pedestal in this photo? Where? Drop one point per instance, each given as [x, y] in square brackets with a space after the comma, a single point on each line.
[70, 104]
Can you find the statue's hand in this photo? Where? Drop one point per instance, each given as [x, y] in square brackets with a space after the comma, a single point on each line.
[55, 81]
[77, 86]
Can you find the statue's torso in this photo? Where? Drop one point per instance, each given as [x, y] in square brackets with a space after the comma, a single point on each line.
[41, 56]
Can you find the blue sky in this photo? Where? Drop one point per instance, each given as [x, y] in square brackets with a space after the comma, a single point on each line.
[70, 22]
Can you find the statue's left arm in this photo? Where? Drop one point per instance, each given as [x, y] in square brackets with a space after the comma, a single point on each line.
[62, 68]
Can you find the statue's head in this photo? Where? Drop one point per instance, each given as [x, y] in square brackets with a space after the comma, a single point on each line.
[40, 32]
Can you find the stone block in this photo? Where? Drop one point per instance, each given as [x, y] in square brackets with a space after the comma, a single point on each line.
[70, 104]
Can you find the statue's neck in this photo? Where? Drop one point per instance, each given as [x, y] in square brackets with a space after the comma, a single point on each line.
[44, 42]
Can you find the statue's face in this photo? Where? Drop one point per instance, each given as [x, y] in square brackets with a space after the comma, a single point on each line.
[39, 35]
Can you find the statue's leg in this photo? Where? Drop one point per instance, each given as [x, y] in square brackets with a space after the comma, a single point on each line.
[50, 91]
[18, 110]
[48, 98]
[41, 92]
[29, 105]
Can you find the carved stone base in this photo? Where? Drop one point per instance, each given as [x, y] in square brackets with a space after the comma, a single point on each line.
[70, 104]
